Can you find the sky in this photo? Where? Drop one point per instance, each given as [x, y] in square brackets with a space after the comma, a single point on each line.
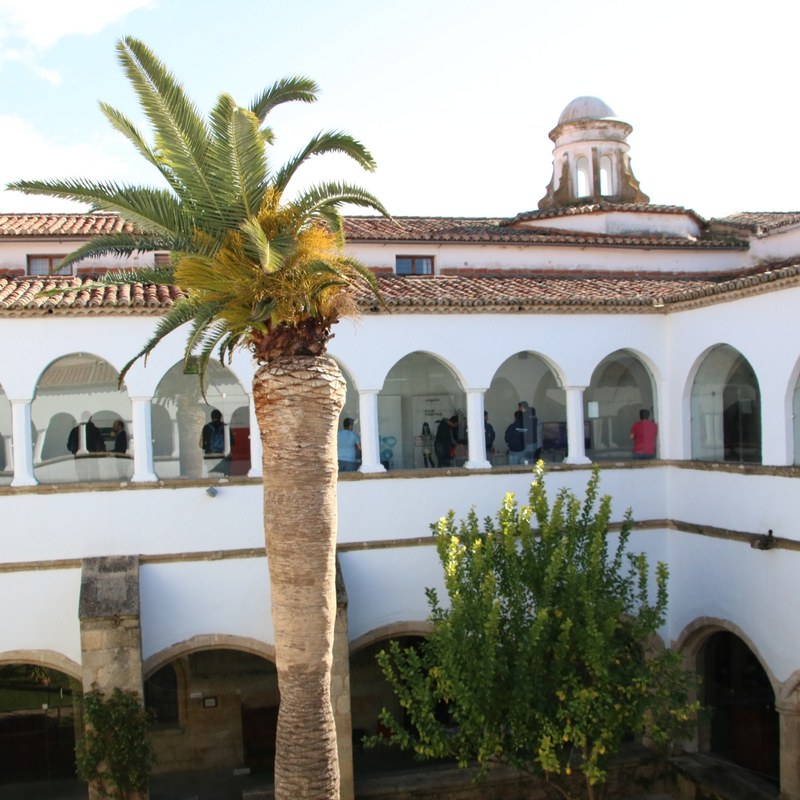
[454, 98]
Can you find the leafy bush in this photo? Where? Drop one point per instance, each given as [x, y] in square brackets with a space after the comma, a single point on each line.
[115, 754]
[542, 659]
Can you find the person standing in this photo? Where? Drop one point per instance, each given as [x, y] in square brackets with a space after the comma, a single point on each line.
[489, 435]
[445, 442]
[515, 439]
[348, 446]
[644, 434]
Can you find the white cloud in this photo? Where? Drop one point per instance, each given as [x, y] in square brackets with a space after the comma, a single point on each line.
[30, 155]
[27, 29]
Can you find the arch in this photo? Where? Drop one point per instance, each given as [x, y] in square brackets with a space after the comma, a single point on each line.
[421, 388]
[236, 676]
[50, 659]
[394, 630]
[741, 693]
[792, 406]
[725, 408]
[207, 641]
[79, 390]
[530, 377]
[178, 444]
[39, 721]
[621, 385]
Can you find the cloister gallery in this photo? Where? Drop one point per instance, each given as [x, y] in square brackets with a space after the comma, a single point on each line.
[594, 306]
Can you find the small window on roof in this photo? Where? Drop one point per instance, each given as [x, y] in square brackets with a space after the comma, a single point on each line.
[414, 265]
[47, 265]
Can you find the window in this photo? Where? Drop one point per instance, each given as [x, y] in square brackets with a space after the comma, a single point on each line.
[414, 265]
[47, 265]
[605, 176]
[582, 176]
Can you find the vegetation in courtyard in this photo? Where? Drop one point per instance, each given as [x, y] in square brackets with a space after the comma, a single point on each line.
[258, 268]
[542, 659]
[114, 754]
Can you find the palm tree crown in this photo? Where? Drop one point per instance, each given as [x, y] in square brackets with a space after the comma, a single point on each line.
[258, 270]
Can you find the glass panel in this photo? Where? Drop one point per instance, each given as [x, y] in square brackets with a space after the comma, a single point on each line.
[403, 265]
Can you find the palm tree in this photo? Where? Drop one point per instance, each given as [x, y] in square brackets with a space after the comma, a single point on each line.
[266, 273]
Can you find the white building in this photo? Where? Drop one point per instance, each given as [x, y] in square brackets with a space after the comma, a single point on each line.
[594, 306]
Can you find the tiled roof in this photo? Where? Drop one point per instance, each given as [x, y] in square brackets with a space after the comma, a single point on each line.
[498, 231]
[503, 292]
[476, 230]
[61, 225]
[758, 222]
[80, 295]
[602, 207]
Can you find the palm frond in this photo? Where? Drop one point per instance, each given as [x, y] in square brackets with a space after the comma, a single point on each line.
[238, 158]
[204, 315]
[326, 198]
[155, 275]
[182, 312]
[181, 134]
[122, 124]
[118, 244]
[327, 142]
[285, 90]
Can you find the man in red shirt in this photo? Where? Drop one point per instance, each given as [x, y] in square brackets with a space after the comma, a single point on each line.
[644, 434]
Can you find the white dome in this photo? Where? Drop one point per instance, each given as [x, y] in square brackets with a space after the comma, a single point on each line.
[585, 108]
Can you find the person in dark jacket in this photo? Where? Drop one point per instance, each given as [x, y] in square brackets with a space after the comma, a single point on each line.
[445, 442]
[515, 439]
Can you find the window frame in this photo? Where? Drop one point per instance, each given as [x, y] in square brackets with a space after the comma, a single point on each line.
[413, 272]
[51, 258]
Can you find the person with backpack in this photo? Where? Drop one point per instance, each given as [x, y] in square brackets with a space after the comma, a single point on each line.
[212, 439]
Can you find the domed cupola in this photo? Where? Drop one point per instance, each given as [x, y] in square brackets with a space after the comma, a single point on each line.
[590, 159]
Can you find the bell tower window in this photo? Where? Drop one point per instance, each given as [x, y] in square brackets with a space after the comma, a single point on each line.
[606, 184]
[582, 177]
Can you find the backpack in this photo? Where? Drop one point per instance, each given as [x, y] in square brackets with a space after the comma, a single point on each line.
[216, 439]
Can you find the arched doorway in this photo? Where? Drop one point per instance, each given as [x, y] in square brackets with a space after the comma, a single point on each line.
[620, 388]
[38, 722]
[726, 409]
[370, 692]
[181, 410]
[743, 724]
[420, 390]
[527, 377]
[213, 709]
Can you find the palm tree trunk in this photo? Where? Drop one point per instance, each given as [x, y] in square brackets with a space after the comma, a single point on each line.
[297, 404]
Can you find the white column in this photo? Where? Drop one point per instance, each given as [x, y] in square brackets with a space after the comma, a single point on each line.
[368, 422]
[22, 443]
[475, 426]
[256, 448]
[142, 436]
[575, 443]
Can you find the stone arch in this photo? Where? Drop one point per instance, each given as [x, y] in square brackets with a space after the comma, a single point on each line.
[351, 406]
[394, 630]
[420, 388]
[724, 407]
[41, 716]
[207, 641]
[621, 385]
[741, 693]
[225, 702]
[43, 658]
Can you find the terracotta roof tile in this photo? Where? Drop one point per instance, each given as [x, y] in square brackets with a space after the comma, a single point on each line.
[442, 294]
[81, 295]
[498, 231]
[61, 225]
[757, 222]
